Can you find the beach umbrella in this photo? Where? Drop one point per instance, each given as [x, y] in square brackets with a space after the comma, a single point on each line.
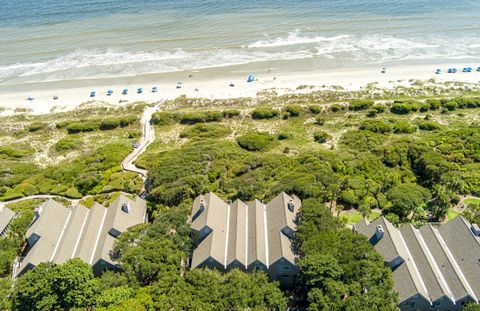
[250, 78]
[140, 90]
[154, 89]
[125, 91]
[109, 92]
[93, 93]
[478, 69]
[30, 98]
[438, 71]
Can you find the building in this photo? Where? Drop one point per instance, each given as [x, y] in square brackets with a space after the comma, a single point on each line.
[6, 217]
[436, 267]
[246, 236]
[58, 233]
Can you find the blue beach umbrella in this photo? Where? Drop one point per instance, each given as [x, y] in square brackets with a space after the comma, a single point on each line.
[139, 90]
[154, 89]
[109, 92]
[125, 91]
[93, 93]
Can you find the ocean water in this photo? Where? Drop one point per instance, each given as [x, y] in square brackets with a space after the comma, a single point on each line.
[52, 40]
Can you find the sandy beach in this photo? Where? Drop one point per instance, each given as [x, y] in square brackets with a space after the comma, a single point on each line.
[215, 83]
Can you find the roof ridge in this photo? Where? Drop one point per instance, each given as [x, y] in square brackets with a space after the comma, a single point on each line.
[456, 268]
[410, 262]
[432, 264]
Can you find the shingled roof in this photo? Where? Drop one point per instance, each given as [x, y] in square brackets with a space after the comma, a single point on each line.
[60, 233]
[243, 235]
[437, 261]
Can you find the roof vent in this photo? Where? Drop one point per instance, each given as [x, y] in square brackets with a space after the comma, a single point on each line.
[476, 230]
[125, 207]
[291, 206]
[379, 232]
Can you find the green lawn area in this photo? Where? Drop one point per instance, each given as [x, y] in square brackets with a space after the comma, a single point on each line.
[353, 216]
[452, 214]
[471, 200]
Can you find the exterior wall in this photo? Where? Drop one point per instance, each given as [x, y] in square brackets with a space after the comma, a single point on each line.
[212, 264]
[416, 302]
[101, 266]
[441, 304]
[284, 272]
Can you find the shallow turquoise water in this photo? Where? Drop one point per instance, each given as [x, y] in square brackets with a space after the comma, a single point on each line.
[60, 40]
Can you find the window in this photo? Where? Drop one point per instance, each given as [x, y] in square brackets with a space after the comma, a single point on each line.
[436, 304]
[410, 304]
[284, 268]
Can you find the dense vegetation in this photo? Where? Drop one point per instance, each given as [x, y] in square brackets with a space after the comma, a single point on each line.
[410, 160]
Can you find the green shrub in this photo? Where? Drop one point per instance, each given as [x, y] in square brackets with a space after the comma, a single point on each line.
[428, 125]
[36, 126]
[201, 117]
[404, 127]
[78, 127]
[164, 118]
[264, 113]
[320, 120]
[376, 126]
[321, 137]
[424, 107]
[255, 141]
[315, 109]
[283, 136]
[108, 124]
[67, 143]
[293, 110]
[400, 108]
[451, 105]
[433, 103]
[360, 105]
[134, 134]
[231, 113]
[16, 151]
[336, 108]
[203, 130]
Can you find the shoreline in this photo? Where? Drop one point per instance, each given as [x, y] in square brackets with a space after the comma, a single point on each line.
[213, 83]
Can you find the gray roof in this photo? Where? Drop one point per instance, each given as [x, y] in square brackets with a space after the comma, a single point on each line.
[60, 233]
[439, 261]
[244, 234]
[6, 216]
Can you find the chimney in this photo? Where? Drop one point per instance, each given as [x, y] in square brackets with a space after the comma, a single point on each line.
[476, 230]
[291, 206]
[379, 232]
[125, 207]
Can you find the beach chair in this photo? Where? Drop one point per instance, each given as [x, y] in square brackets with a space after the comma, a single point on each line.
[93, 93]
[125, 91]
[154, 89]
[55, 97]
[384, 70]
[139, 90]
[109, 93]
